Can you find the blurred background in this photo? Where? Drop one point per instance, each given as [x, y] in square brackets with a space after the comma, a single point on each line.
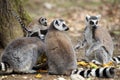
[74, 12]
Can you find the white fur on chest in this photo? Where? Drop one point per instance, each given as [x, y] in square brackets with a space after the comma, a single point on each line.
[88, 36]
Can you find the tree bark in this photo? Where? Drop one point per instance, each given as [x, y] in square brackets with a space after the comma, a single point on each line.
[9, 26]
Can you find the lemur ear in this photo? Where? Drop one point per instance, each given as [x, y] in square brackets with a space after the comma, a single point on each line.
[56, 23]
[87, 17]
[98, 16]
[40, 19]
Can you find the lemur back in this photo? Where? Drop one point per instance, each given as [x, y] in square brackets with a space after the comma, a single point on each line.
[35, 28]
[21, 55]
[98, 40]
[59, 50]
[103, 35]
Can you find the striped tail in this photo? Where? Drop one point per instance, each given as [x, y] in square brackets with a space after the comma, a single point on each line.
[116, 59]
[5, 68]
[82, 72]
[20, 21]
[106, 72]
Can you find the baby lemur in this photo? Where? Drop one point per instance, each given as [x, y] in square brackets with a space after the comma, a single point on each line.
[35, 28]
[98, 40]
[59, 49]
[38, 26]
[21, 55]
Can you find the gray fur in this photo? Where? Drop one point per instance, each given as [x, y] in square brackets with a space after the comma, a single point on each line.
[21, 54]
[59, 51]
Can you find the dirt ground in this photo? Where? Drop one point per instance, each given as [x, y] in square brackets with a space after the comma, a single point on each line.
[45, 76]
[73, 12]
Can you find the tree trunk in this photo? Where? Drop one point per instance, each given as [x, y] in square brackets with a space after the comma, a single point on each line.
[9, 26]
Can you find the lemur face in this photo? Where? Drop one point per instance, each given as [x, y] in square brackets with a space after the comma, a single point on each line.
[92, 20]
[60, 25]
[43, 21]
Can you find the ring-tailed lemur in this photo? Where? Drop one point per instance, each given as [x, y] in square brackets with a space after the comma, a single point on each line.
[21, 55]
[103, 72]
[59, 49]
[98, 40]
[35, 28]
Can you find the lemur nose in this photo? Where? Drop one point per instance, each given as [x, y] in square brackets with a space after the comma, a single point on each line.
[45, 23]
[94, 26]
[67, 29]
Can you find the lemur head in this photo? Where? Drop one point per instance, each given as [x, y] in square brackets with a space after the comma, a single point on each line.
[43, 21]
[60, 25]
[92, 21]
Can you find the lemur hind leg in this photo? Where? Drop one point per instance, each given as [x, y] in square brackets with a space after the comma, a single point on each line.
[102, 56]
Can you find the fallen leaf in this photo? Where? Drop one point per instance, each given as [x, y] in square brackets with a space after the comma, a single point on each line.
[92, 65]
[82, 63]
[38, 76]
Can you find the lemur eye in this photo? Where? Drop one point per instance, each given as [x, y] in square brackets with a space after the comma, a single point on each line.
[96, 22]
[91, 23]
[42, 19]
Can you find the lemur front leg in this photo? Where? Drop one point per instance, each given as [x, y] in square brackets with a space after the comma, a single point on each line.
[93, 47]
[81, 44]
[41, 35]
